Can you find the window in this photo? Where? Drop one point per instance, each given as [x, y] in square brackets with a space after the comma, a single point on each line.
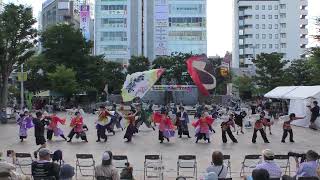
[282, 6]
[263, 26]
[264, 46]
[257, 7]
[283, 35]
[283, 25]
[283, 45]
[257, 26]
[263, 7]
[257, 16]
[270, 7]
[263, 17]
[276, 36]
[270, 36]
[276, 46]
[270, 26]
[270, 16]
[264, 36]
[257, 46]
[276, 26]
[276, 7]
[270, 46]
[257, 36]
[276, 16]
[283, 15]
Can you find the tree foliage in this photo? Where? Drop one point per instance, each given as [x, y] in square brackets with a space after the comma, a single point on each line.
[298, 73]
[63, 80]
[138, 64]
[270, 71]
[17, 40]
[245, 85]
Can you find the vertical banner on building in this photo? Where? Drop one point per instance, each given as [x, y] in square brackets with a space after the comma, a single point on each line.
[161, 24]
[85, 21]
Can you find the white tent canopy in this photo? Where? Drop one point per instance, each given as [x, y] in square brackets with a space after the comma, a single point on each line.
[300, 97]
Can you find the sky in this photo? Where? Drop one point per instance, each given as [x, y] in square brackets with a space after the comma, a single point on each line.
[219, 23]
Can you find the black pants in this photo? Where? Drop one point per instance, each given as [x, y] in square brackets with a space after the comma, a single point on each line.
[285, 134]
[224, 136]
[50, 134]
[101, 132]
[263, 134]
[81, 135]
[161, 136]
[202, 136]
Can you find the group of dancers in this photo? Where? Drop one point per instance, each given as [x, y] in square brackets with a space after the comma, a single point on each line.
[167, 121]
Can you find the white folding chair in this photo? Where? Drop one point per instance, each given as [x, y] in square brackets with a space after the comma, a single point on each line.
[84, 163]
[187, 162]
[24, 162]
[250, 162]
[153, 167]
[283, 161]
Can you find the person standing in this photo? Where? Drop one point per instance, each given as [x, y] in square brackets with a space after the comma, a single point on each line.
[182, 122]
[77, 128]
[226, 128]
[39, 127]
[314, 115]
[25, 123]
[53, 128]
[166, 128]
[239, 121]
[267, 118]
[287, 127]
[203, 127]
[131, 129]
[142, 118]
[258, 126]
[102, 123]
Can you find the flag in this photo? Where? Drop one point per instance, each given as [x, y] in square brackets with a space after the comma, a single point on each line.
[201, 72]
[139, 83]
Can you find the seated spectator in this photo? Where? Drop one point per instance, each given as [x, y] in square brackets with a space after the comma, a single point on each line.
[44, 168]
[8, 170]
[258, 174]
[268, 164]
[217, 165]
[127, 172]
[57, 157]
[66, 172]
[211, 176]
[306, 169]
[106, 169]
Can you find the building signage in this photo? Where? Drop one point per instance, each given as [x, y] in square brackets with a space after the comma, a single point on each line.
[85, 21]
[161, 24]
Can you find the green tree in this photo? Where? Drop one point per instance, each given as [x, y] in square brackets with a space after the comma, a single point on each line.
[138, 64]
[63, 80]
[17, 39]
[299, 73]
[270, 71]
[245, 85]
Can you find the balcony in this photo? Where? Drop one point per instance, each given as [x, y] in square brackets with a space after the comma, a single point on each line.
[304, 12]
[303, 41]
[304, 2]
[304, 31]
[303, 21]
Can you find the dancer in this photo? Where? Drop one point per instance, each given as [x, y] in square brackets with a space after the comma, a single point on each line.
[287, 127]
[53, 128]
[115, 120]
[314, 115]
[258, 126]
[166, 128]
[142, 118]
[102, 123]
[239, 121]
[39, 127]
[225, 128]
[131, 129]
[202, 127]
[25, 123]
[77, 128]
[267, 118]
[182, 122]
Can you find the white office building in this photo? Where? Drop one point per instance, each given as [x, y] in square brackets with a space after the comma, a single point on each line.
[266, 26]
[149, 27]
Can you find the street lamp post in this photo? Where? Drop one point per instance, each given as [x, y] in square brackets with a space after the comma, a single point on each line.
[22, 88]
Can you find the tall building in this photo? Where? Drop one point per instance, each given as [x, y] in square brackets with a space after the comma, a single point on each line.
[266, 26]
[149, 27]
[1, 6]
[59, 11]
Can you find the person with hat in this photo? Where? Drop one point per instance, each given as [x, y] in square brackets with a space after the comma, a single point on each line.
[106, 169]
[268, 164]
[66, 172]
[287, 127]
[44, 168]
[102, 122]
[182, 122]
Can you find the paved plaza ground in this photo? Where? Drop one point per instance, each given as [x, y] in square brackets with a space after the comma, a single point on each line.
[146, 142]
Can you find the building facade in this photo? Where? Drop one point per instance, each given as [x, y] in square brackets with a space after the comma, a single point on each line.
[149, 27]
[266, 26]
[1, 6]
[59, 11]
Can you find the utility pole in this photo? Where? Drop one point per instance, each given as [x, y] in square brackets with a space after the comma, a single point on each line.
[22, 88]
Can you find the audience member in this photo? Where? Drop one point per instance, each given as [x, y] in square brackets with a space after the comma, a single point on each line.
[44, 168]
[8, 170]
[127, 172]
[211, 176]
[258, 174]
[66, 172]
[106, 169]
[217, 165]
[268, 164]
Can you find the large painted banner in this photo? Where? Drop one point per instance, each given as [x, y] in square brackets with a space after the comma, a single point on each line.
[139, 83]
[85, 21]
[161, 24]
